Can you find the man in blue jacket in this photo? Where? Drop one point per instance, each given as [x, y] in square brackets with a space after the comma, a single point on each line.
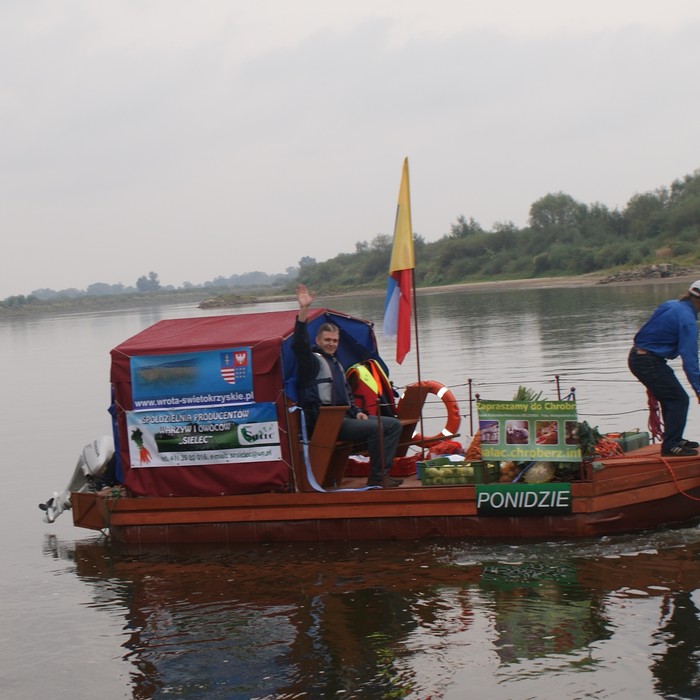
[670, 332]
[322, 381]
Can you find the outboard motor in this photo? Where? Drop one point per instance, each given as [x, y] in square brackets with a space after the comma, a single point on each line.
[94, 470]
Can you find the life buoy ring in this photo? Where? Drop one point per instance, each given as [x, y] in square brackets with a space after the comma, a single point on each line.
[448, 398]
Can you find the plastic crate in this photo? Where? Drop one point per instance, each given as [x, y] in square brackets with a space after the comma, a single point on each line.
[437, 462]
[632, 440]
[404, 466]
[444, 472]
[401, 466]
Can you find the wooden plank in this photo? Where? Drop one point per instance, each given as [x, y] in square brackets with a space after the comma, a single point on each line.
[315, 505]
[624, 497]
[328, 461]
[322, 446]
[647, 475]
[294, 513]
[311, 499]
[88, 511]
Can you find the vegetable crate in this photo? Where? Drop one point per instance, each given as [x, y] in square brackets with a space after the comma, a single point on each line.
[445, 472]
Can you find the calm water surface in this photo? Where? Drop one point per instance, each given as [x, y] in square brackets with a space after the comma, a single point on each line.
[610, 618]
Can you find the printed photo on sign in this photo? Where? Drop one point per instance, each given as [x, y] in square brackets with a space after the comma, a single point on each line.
[207, 378]
[188, 437]
[547, 432]
[571, 432]
[489, 433]
[517, 432]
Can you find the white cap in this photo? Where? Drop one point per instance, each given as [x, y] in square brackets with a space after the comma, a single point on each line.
[694, 288]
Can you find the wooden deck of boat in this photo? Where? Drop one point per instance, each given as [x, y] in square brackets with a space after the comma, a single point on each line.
[625, 494]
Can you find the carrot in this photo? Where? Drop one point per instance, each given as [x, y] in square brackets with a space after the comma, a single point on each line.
[144, 454]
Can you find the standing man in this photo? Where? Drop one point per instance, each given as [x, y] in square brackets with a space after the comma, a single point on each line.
[321, 380]
[672, 330]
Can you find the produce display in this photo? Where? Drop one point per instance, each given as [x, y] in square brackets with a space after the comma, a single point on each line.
[508, 471]
[540, 473]
[456, 473]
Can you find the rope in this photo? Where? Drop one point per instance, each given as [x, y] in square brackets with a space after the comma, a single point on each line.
[606, 448]
[675, 481]
[110, 496]
[654, 423]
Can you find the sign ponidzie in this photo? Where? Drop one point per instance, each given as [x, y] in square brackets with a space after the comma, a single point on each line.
[504, 500]
[519, 431]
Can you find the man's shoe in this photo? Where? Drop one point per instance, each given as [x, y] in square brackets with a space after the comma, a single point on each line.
[689, 443]
[680, 451]
[388, 483]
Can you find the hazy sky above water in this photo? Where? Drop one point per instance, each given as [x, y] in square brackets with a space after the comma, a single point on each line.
[198, 139]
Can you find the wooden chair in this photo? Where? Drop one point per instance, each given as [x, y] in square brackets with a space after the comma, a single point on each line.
[409, 412]
[328, 456]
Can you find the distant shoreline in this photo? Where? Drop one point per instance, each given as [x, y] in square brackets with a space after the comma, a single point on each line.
[591, 280]
[111, 303]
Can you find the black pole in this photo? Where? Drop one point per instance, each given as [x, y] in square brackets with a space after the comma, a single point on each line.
[418, 370]
[471, 408]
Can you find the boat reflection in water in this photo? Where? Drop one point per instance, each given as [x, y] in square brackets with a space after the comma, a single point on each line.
[399, 620]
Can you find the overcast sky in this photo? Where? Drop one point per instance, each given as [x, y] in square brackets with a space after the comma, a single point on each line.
[214, 137]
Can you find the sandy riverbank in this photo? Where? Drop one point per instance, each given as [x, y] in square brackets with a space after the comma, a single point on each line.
[683, 281]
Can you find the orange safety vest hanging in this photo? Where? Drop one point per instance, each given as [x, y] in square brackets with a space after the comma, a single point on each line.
[371, 388]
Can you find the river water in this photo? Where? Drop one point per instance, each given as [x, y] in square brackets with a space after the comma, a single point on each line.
[605, 618]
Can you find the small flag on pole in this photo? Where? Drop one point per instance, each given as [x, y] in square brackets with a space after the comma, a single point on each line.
[397, 306]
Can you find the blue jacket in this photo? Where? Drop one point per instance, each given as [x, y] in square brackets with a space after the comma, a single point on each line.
[672, 330]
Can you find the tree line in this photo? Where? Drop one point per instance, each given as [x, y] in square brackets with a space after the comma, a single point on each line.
[146, 285]
[563, 237]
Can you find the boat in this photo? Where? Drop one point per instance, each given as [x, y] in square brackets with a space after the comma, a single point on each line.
[208, 444]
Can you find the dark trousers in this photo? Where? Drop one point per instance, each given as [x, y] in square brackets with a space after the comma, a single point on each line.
[380, 434]
[659, 378]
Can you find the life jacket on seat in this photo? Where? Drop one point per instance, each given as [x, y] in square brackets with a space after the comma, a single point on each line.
[371, 389]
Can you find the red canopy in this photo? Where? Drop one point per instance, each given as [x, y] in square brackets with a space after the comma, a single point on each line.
[264, 334]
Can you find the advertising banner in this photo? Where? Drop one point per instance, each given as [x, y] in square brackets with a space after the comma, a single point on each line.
[519, 431]
[201, 436]
[207, 378]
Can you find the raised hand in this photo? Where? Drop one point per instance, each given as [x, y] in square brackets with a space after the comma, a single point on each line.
[304, 297]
